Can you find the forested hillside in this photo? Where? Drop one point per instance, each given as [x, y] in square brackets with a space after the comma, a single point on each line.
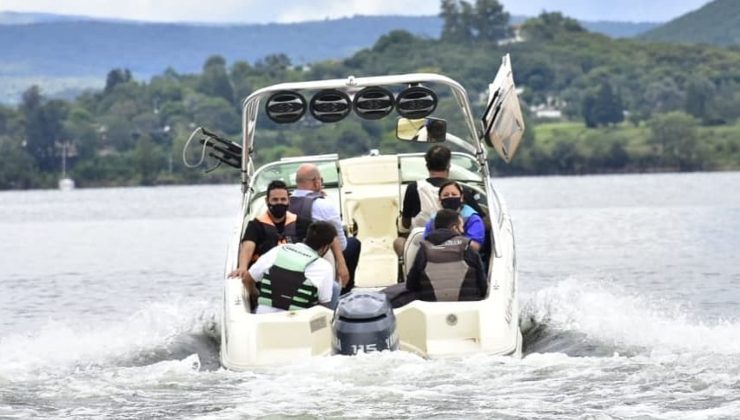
[627, 105]
[717, 23]
[65, 54]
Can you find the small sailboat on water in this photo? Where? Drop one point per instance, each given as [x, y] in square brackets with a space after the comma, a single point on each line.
[65, 183]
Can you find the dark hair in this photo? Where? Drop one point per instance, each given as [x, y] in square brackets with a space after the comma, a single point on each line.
[275, 185]
[319, 234]
[438, 158]
[446, 219]
[447, 184]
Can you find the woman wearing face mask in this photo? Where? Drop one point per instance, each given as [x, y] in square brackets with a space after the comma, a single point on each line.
[451, 197]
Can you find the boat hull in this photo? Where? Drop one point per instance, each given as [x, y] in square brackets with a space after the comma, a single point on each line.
[429, 329]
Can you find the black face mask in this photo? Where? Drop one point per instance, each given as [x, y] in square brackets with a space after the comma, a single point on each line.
[451, 203]
[277, 210]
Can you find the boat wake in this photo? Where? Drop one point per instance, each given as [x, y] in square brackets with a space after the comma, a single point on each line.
[600, 320]
[159, 332]
[574, 318]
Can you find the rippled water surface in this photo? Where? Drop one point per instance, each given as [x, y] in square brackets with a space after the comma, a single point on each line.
[109, 303]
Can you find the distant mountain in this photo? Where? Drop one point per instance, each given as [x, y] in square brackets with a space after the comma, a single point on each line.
[717, 23]
[619, 29]
[22, 18]
[64, 54]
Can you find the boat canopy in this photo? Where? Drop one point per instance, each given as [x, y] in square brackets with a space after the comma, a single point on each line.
[414, 97]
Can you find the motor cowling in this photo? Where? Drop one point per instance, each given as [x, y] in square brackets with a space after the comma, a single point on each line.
[364, 322]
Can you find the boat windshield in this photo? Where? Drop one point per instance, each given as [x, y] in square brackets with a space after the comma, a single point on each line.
[463, 168]
[285, 171]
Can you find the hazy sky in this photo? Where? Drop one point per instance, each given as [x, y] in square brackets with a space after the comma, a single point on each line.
[263, 11]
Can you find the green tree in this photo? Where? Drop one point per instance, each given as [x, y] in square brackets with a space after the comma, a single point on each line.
[603, 108]
[17, 168]
[118, 132]
[116, 77]
[43, 126]
[215, 80]
[664, 95]
[675, 137]
[457, 17]
[216, 114]
[699, 92]
[490, 21]
[548, 26]
[354, 140]
[241, 72]
[148, 160]
[724, 106]
[274, 66]
[79, 130]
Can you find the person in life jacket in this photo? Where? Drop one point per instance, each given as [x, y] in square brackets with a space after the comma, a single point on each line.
[294, 276]
[308, 201]
[420, 202]
[451, 198]
[446, 268]
[275, 226]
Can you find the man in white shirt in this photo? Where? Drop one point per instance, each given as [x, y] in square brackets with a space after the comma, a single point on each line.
[294, 276]
[308, 201]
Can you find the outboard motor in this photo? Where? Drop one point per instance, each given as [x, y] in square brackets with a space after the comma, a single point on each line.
[364, 322]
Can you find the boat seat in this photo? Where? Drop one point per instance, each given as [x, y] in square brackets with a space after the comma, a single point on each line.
[376, 229]
[411, 248]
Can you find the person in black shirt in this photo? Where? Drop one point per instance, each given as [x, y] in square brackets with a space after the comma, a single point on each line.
[418, 208]
[276, 226]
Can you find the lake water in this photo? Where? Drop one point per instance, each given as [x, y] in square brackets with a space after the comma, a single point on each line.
[630, 288]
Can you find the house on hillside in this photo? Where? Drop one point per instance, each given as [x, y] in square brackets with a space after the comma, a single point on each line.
[516, 31]
[552, 108]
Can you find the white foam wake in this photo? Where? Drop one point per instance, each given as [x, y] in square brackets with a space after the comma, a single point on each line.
[61, 346]
[607, 314]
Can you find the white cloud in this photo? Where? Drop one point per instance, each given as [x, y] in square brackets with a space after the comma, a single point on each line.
[619, 10]
[321, 9]
[153, 10]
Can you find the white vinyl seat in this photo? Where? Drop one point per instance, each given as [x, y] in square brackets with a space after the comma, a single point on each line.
[411, 248]
[378, 263]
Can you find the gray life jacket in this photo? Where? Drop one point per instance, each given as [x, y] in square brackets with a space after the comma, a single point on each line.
[284, 285]
[449, 276]
[302, 205]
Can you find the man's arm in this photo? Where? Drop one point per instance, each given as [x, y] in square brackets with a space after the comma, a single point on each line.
[476, 231]
[246, 251]
[342, 269]
[323, 209]
[250, 284]
[411, 205]
[320, 274]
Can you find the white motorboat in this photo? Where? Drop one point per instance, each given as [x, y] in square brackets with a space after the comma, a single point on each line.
[368, 190]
